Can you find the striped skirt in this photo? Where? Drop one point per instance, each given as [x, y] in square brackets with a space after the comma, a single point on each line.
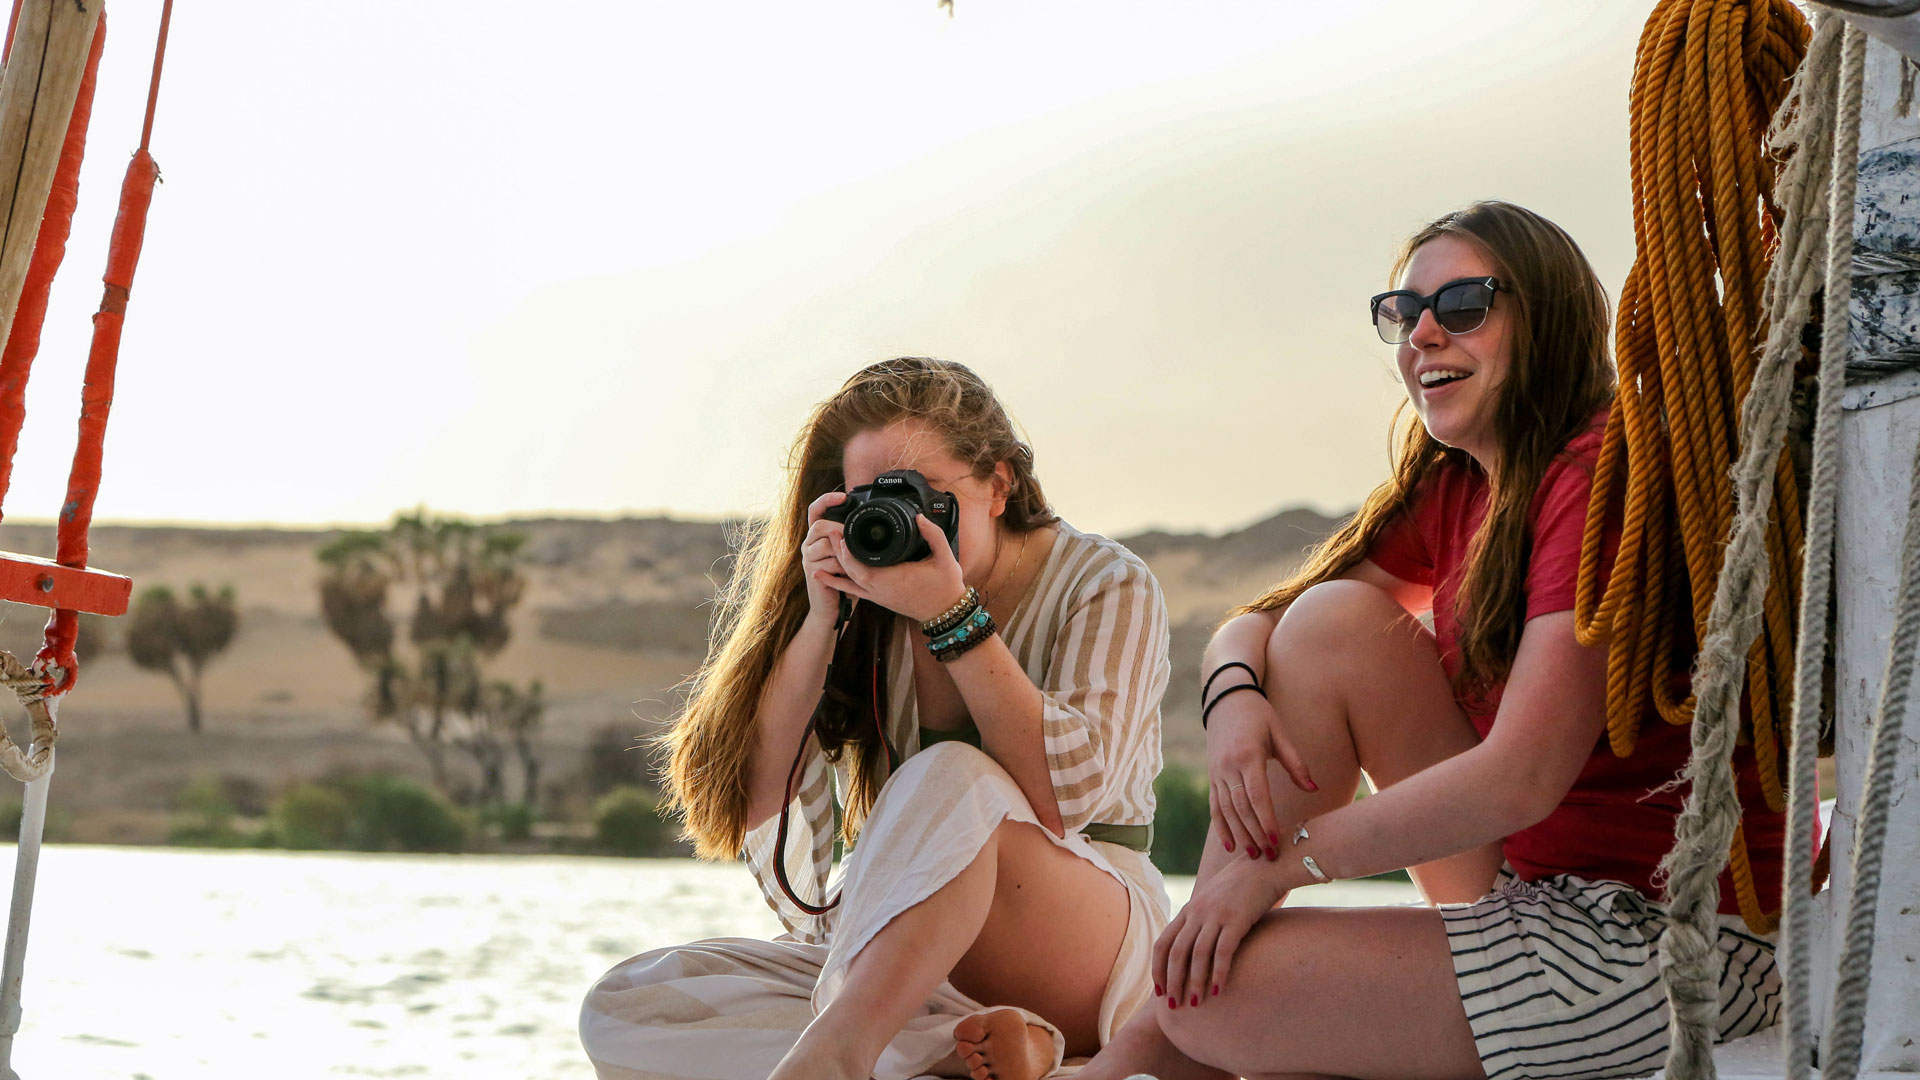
[1561, 979]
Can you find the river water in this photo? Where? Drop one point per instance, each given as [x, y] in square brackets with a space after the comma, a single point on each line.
[170, 964]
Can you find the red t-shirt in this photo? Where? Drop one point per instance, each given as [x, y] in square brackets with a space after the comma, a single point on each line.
[1616, 823]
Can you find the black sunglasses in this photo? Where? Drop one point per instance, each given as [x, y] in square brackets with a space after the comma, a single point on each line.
[1460, 307]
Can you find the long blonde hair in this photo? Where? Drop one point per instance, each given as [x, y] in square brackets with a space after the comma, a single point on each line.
[1561, 374]
[709, 748]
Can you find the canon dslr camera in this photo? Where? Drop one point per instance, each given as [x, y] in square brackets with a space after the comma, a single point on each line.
[879, 518]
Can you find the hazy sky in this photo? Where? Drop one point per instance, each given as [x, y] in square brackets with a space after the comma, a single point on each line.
[600, 258]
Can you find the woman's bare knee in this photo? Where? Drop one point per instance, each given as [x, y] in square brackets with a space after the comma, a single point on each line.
[1346, 654]
[1334, 616]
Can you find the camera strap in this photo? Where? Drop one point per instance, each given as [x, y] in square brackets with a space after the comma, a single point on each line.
[793, 771]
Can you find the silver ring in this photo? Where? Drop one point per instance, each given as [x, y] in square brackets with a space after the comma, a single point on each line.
[1236, 787]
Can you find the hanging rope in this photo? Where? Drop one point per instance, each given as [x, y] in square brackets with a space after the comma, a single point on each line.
[1810, 243]
[31, 764]
[16, 365]
[1708, 77]
[1807, 124]
[56, 658]
[1846, 1032]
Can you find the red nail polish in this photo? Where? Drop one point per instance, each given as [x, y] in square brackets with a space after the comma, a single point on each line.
[1273, 854]
[1158, 990]
[1253, 853]
[1311, 786]
[1196, 1000]
[1173, 1002]
[1273, 839]
[1229, 843]
[1216, 991]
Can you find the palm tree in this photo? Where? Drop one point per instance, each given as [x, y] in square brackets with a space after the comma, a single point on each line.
[179, 640]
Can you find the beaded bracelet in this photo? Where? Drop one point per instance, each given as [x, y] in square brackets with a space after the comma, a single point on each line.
[953, 616]
[975, 625]
[953, 643]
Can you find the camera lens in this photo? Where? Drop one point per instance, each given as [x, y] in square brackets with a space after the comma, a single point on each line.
[880, 532]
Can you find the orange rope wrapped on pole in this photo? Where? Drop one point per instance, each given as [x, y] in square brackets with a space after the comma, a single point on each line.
[96, 396]
[49, 250]
[1707, 80]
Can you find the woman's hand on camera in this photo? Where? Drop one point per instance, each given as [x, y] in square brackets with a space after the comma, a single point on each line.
[1243, 736]
[920, 590]
[820, 560]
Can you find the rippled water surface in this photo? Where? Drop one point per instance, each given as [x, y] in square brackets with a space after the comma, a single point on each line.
[171, 964]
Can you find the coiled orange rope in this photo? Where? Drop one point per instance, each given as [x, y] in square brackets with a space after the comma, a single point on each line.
[1708, 77]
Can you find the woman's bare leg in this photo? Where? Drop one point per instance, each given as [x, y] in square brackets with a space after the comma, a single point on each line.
[1026, 923]
[1356, 992]
[1356, 683]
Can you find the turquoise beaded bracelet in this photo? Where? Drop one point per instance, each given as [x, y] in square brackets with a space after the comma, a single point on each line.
[977, 628]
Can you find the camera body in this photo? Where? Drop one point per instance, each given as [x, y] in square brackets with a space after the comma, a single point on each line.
[879, 518]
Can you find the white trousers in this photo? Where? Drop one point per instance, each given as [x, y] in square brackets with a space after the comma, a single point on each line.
[730, 1008]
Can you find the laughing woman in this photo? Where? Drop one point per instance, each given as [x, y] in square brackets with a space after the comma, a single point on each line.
[1483, 735]
[988, 738]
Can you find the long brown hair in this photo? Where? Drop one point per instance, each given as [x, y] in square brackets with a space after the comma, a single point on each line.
[1560, 374]
[709, 748]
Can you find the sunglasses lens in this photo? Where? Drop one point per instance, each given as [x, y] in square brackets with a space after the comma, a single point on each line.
[1463, 307]
[1394, 316]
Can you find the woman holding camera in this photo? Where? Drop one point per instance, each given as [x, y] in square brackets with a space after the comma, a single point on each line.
[1483, 737]
[989, 735]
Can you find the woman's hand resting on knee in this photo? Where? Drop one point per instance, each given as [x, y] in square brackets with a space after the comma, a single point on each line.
[1243, 735]
[1194, 954]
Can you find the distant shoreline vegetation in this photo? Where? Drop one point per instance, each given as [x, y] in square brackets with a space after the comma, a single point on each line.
[377, 705]
[380, 812]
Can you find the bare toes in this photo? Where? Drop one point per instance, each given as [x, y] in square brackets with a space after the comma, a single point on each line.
[973, 1029]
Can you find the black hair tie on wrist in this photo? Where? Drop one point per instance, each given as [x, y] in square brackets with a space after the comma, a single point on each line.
[1204, 713]
[1229, 665]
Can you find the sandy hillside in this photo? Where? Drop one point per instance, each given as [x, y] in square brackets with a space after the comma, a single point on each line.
[614, 616]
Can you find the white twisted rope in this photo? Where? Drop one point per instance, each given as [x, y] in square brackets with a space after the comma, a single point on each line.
[1704, 832]
[1837, 77]
[1846, 1030]
[34, 762]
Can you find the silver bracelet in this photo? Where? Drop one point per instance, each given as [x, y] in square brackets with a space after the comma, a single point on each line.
[1300, 833]
[1313, 868]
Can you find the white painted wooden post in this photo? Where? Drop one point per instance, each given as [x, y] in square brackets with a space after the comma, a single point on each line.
[1878, 433]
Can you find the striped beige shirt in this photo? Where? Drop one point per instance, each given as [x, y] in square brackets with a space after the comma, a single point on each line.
[1092, 634]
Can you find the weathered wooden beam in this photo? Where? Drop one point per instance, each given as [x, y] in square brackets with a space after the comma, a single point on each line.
[37, 92]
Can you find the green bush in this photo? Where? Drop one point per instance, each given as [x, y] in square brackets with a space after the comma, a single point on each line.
[391, 814]
[203, 816]
[1180, 822]
[513, 820]
[627, 821]
[59, 820]
[312, 817]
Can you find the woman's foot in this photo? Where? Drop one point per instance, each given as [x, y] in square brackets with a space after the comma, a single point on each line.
[1001, 1045]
